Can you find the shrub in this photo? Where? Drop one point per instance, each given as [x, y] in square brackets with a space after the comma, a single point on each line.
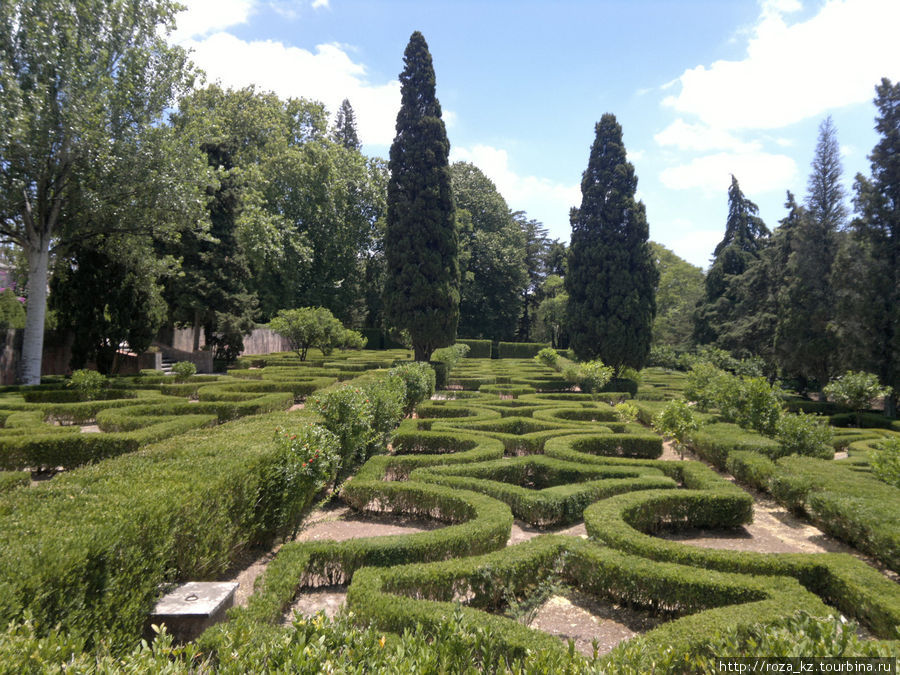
[386, 396]
[626, 412]
[700, 385]
[855, 390]
[419, 379]
[595, 375]
[676, 421]
[183, 370]
[885, 461]
[480, 349]
[87, 383]
[758, 406]
[309, 457]
[347, 413]
[547, 357]
[801, 434]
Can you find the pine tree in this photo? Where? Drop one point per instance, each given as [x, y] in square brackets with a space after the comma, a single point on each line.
[806, 345]
[421, 242]
[745, 235]
[345, 127]
[611, 278]
[867, 270]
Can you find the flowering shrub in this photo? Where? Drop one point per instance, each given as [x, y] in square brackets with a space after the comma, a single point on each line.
[347, 413]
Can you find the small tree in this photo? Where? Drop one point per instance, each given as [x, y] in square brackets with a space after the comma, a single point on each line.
[801, 434]
[87, 383]
[676, 421]
[856, 390]
[314, 327]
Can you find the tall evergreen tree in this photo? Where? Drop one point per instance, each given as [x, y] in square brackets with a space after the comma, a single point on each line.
[745, 235]
[421, 242]
[345, 127]
[611, 278]
[806, 345]
[867, 271]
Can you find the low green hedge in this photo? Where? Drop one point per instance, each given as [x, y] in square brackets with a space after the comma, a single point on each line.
[478, 349]
[513, 390]
[541, 490]
[715, 442]
[853, 506]
[13, 479]
[71, 396]
[622, 522]
[71, 450]
[520, 350]
[180, 509]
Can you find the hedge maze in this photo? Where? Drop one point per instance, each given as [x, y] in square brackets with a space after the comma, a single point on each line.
[506, 441]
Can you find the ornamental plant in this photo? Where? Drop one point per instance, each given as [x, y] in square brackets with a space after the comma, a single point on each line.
[626, 411]
[801, 434]
[885, 461]
[595, 375]
[311, 458]
[676, 421]
[547, 357]
[183, 370]
[87, 383]
[856, 390]
[347, 413]
[419, 379]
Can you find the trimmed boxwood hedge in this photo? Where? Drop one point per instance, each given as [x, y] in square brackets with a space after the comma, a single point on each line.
[478, 349]
[13, 479]
[543, 491]
[520, 350]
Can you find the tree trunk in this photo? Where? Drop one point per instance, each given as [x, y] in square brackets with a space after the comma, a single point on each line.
[890, 405]
[422, 353]
[197, 330]
[36, 310]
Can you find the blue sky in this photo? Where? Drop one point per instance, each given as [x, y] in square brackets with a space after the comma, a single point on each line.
[702, 88]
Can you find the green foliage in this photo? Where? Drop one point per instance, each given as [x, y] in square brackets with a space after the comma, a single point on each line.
[87, 383]
[680, 289]
[700, 385]
[885, 461]
[594, 375]
[13, 479]
[758, 406]
[626, 412]
[547, 357]
[183, 370]
[519, 350]
[479, 349]
[491, 256]
[745, 236]
[419, 381]
[856, 390]
[311, 458]
[676, 421]
[451, 356]
[12, 313]
[314, 327]
[421, 243]
[347, 414]
[803, 434]
[612, 277]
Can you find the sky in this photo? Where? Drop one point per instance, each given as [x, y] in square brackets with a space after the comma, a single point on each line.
[703, 89]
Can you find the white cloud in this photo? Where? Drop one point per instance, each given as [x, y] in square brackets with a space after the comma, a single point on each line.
[328, 75]
[205, 16]
[543, 199]
[320, 3]
[686, 136]
[757, 172]
[695, 246]
[794, 72]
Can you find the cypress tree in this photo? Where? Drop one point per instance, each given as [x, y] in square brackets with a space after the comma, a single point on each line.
[421, 242]
[745, 236]
[612, 277]
[345, 127]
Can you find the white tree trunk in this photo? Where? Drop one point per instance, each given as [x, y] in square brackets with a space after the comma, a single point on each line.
[33, 343]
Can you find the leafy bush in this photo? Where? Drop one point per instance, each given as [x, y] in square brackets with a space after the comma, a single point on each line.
[419, 380]
[183, 370]
[856, 390]
[758, 406]
[676, 421]
[12, 313]
[520, 350]
[626, 412]
[347, 413]
[801, 434]
[87, 383]
[547, 357]
[885, 461]
[386, 396]
[480, 349]
[700, 385]
[310, 457]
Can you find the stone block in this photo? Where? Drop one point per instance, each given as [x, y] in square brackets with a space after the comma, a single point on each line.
[193, 607]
